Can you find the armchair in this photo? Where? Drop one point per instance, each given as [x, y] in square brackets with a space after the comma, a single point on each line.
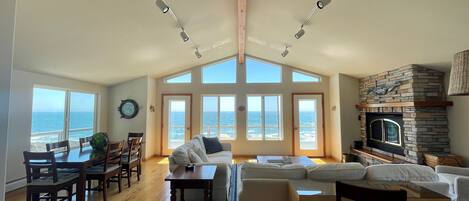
[458, 180]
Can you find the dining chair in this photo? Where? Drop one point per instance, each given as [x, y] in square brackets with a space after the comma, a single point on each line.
[139, 137]
[357, 193]
[85, 141]
[131, 160]
[42, 177]
[109, 170]
[62, 146]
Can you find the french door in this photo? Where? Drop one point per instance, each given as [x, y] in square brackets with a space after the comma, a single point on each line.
[176, 127]
[308, 130]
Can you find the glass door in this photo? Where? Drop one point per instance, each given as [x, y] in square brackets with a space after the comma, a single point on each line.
[176, 122]
[308, 131]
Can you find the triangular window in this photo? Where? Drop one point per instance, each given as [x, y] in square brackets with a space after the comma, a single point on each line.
[223, 72]
[180, 78]
[298, 76]
[258, 71]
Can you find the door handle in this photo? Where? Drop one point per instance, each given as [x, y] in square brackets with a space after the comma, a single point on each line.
[296, 128]
[188, 128]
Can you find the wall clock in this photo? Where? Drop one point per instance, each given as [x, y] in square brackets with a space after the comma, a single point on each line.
[128, 109]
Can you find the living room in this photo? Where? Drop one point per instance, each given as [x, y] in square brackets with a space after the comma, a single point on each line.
[270, 100]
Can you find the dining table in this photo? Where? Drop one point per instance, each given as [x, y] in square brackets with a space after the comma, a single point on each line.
[79, 159]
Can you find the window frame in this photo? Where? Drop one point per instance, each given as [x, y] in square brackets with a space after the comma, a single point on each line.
[67, 101]
[218, 62]
[218, 114]
[280, 114]
[177, 75]
[267, 62]
[306, 73]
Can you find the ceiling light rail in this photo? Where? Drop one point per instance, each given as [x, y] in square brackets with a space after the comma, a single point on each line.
[163, 6]
[320, 4]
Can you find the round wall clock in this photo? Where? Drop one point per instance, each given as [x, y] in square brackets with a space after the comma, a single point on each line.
[128, 109]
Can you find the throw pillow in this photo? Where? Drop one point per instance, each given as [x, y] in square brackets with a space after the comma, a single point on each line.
[212, 145]
[200, 153]
[194, 157]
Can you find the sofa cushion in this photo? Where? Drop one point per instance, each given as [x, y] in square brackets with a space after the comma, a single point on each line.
[181, 154]
[212, 145]
[220, 157]
[203, 156]
[449, 179]
[339, 171]
[199, 142]
[401, 172]
[194, 157]
[272, 171]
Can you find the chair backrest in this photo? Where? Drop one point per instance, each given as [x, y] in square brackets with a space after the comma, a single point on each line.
[58, 146]
[40, 164]
[357, 193]
[113, 154]
[134, 150]
[138, 136]
[85, 141]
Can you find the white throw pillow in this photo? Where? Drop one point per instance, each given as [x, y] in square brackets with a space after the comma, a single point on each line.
[199, 141]
[181, 154]
[272, 171]
[203, 156]
[401, 172]
[335, 172]
[194, 157]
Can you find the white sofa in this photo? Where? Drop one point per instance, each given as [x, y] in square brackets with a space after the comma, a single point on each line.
[458, 180]
[254, 184]
[221, 184]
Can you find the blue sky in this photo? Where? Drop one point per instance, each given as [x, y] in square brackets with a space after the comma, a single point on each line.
[262, 72]
[224, 72]
[47, 100]
[184, 78]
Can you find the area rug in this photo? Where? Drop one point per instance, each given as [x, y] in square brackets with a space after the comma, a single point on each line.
[233, 181]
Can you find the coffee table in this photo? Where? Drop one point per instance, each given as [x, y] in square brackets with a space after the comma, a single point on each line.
[285, 160]
[325, 191]
[200, 178]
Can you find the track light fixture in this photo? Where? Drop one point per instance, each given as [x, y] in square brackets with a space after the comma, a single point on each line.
[197, 53]
[322, 3]
[162, 5]
[300, 33]
[184, 35]
[285, 52]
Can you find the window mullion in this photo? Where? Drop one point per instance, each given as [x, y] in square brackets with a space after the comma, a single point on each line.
[67, 116]
[263, 117]
[218, 118]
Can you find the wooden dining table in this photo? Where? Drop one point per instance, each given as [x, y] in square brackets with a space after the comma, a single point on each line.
[79, 159]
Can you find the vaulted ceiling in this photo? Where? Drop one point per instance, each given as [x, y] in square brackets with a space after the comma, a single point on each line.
[110, 41]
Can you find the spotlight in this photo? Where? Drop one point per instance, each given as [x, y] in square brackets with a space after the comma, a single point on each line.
[285, 52]
[197, 53]
[322, 3]
[162, 5]
[300, 33]
[184, 35]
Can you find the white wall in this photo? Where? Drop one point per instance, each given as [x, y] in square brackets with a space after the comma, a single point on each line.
[241, 146]
[458, 116]
[345, 127]
[142, 90]
[21, 105]
[7, 26]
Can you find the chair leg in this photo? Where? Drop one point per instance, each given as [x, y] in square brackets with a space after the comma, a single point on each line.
[28, 196]
[139, 172]
[53, 196]
[89, 185]
[119, 181]
[70, 193]
[104, 191]
[129, 175]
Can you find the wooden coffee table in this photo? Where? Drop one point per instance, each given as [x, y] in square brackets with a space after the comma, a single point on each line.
[323, 191]
[284, 160]
[200, 178]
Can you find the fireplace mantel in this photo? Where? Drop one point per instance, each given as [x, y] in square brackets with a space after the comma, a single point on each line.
[406, 104]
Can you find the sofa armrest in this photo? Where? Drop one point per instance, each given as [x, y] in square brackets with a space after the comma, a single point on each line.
[461, 186]
[452, 170]
[264, 189]
[226, 146]
[439, 187]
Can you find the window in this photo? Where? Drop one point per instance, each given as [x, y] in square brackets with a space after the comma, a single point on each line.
[60, 115]
[262, 72]
[219, 116]
[180, 78]
[264, 120]
[220, 73]
[304, 77]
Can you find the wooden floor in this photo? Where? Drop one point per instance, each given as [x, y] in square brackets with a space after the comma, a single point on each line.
[151, 186]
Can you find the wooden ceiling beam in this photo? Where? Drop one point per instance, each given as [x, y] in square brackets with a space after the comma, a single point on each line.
[241, 30]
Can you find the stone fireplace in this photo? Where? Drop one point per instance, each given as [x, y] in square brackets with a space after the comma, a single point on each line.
[403, 114]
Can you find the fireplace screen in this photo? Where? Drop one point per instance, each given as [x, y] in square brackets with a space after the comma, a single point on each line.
[386, 131]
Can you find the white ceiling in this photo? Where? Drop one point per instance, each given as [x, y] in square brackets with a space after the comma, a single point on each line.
[110, 41]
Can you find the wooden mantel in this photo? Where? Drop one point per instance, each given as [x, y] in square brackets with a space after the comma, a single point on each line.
[406, 104]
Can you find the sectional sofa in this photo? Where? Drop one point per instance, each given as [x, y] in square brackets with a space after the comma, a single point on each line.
[221, 185]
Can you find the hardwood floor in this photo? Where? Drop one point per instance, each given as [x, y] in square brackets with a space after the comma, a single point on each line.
[151, 186]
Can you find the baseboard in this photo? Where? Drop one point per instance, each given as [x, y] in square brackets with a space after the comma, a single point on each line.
[15, 184]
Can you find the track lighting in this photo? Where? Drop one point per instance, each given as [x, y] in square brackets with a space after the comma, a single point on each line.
[322, 3]
[184, 35]
[197, 53]
[300, 33]
[162, 5]
[285, 52]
